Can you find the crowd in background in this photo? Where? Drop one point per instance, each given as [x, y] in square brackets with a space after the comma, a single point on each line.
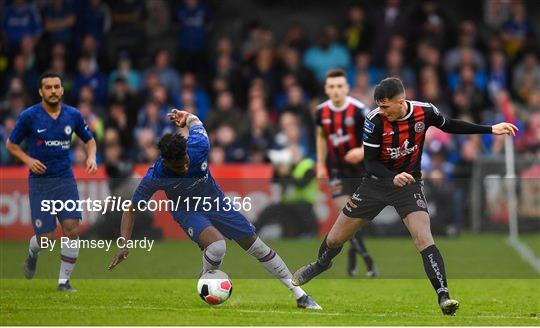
[125, 63]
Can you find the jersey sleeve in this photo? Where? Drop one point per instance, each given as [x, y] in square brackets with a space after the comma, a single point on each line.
[434, 117]
[360, 121]
[81, 128]
[22, 128]
[372, 131]
[318, 119]
[145, 189]
[198, 142]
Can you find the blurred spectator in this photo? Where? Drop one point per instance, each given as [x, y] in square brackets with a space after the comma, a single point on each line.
[94, 19]
[120, 93]
[389, 20]
[295, 38]
[147, 151]
[5, 129]
[326, 55]
[395, 67]
[357, 31]
[118, 121]
[28, 76]
[89, 75]
[58, 65]
[498, 75]
[518, 30]
[95, 123]
[150, 119]
[225, 112]
[526, 75]
[465, 52]
[291, 136]
[468, 98]
[167, 75]
[194, 22]
[125, 71]
[259, 134]
[362, 89]
[292, 65]
[200, 97]
[21, 19]
[128, 17]
[431, 23]
[59, 19]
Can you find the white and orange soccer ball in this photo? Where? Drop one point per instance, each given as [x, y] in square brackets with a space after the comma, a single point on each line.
[214, 287]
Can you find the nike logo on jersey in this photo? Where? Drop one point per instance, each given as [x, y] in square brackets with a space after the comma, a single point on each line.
[41, 130]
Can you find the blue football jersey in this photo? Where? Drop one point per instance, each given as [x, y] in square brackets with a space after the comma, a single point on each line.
[48, 139]
[196, 182]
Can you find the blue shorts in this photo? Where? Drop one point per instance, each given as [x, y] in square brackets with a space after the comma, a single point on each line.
[49, 189]
[231, 224]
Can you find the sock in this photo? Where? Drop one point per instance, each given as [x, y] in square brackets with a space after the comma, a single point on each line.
[213, 255]
[434, 266]
[33, 248]
[360, 247]
[68, 257]
[326, 254]
[273, 263]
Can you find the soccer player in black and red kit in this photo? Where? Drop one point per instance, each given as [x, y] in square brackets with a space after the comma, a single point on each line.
[340, 122]
[393, 139]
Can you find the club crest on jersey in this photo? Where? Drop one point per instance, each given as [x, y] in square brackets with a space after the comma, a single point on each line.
[67, 130]
[404, 150]
[204, 165]
[421, 203]
[38, 223]
[419, 127]
[190, 231]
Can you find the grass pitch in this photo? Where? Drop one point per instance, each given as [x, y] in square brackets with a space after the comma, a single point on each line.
[494, 287]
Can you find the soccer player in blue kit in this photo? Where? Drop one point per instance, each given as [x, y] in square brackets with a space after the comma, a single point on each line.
[182, 172]
[48, 127]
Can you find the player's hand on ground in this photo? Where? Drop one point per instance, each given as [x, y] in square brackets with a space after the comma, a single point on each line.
[36, 166]
[322, 173]
[403, 179]
[504, 128]
[178, 117]
[118, 258]
[91, 166]
[355, 155]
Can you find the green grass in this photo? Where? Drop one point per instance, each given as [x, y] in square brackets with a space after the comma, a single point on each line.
[492, 283]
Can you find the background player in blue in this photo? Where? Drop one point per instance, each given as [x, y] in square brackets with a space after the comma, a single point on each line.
[48, 127]
[182, 172]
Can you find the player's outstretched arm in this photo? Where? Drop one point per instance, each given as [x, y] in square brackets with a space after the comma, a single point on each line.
[463, 127]
[126, 228]
[91, 166]
[33, 164]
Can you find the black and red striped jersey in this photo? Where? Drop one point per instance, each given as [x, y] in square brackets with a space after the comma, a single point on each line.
[401, 142]
[343, 127]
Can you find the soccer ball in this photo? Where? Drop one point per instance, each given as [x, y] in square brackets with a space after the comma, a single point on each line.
[214, 287]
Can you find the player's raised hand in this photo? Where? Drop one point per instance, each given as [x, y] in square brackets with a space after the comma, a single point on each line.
[91, 166]
[36, 166]
[178, 117]
[355, 155]
[118, 258]
[403, 179]
[504, 128]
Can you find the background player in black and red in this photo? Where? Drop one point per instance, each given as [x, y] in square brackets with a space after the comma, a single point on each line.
[340, 122]
[393, 139]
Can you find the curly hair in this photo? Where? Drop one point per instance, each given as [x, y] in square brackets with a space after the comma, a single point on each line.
[173, 146]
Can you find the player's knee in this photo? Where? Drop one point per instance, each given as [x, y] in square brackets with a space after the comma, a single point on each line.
[217, 249]
[422, 241]
[71, 232]
[259, 249]
[334, 241]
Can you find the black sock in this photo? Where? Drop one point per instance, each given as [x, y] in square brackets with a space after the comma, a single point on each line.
[434, 266]
[358, 243]
[326, 254]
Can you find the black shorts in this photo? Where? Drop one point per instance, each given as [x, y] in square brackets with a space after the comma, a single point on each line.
[343, 186]
[373, 195]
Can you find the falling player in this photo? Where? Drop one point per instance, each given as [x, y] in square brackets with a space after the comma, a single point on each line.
[340, 121]
[182, 172]
[393, 140]
[48, 127]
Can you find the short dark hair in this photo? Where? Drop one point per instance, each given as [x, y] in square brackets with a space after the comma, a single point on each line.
[47, 75]
[388, 88]
[336, 72]
[173, 146]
